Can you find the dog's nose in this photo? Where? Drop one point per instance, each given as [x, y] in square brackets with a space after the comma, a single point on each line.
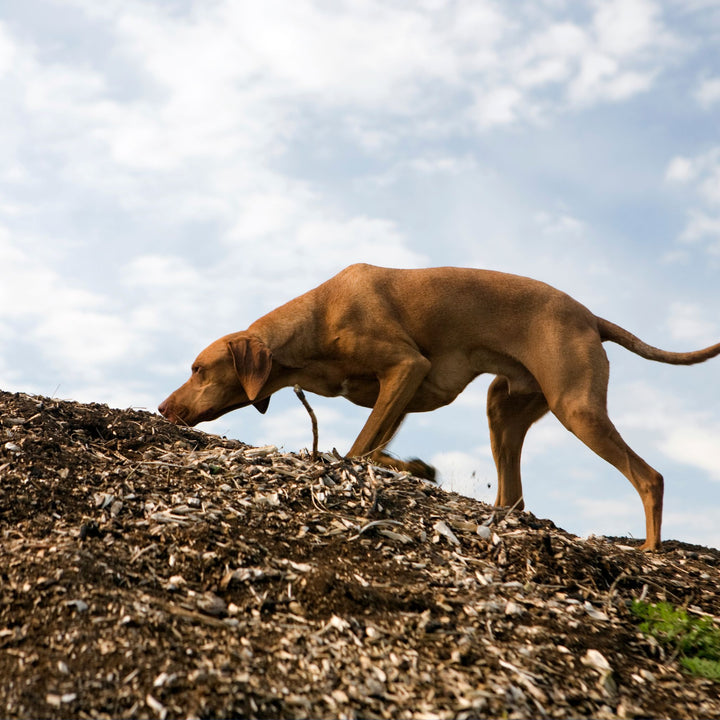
[162, 407]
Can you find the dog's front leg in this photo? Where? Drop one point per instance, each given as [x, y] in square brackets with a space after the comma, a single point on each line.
[398, 385]
[415, 467]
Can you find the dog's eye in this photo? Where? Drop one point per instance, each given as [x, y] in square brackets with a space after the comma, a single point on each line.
[196, 369]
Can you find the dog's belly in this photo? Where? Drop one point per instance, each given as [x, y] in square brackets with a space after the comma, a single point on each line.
[361, 391]
[364, 392]
[449, 375]
[437, 389]
[447, 378]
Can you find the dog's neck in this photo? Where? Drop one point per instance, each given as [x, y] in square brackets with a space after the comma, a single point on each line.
[285, 331]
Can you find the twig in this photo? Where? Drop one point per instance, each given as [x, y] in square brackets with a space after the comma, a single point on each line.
[374, 485]
[611, 591]
[313, 420]
[515, 504]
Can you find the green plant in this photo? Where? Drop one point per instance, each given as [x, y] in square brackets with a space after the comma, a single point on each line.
[695, 640]
[702, 667]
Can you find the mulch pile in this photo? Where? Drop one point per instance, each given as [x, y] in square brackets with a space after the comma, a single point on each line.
[151, 571]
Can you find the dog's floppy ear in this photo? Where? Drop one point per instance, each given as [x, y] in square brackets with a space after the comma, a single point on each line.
[253, 362]
[262, 405]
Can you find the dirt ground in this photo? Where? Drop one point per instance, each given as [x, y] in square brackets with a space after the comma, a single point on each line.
[150, 571]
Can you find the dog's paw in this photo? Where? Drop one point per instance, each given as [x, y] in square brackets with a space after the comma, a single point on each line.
[421, 469]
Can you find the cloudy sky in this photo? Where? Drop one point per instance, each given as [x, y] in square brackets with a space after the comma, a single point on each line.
[170, 170]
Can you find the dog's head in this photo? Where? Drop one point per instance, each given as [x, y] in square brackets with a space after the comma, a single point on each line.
[230, 373]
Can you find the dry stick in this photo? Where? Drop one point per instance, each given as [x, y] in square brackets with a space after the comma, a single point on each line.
[374, 485]
[611, 591]
[313, 419]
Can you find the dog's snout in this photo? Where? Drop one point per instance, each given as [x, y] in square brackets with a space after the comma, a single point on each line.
[169, 410]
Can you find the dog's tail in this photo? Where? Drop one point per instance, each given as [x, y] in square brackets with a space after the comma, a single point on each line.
[616, 334]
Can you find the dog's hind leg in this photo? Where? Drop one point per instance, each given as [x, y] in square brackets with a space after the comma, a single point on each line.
[581, 406]
[594, 428]
[510, 416]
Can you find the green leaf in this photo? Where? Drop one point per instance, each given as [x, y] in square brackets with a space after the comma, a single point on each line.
[696, 640]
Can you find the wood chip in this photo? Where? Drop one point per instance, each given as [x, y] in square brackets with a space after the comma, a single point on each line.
[155, 571]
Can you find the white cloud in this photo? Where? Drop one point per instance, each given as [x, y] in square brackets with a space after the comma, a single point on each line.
[701, 226]
[684, 435]
[702, 175]
[290, 423]
[703, 169]
[707, 93]
[621, 517]
[646, 408]
[710, 187]
[76, 333]
[7, 51]
[547, 435]
[372, 54]
[82, 340]
[623, 511]
[467, 473]
[304, 242]
[681, 170]
[700, 528]
[357, 239]
[595, 69]
[498, 106]
[423, 166]
[692, 323]
[271, 55]
[694, 442]
[230, 78]
[626, 27]
[361, 54]
[618, 54]
[559, 223]
[264, 214]
[551, 53]
[32, 290]
[226, 89]
[293, 426]
[617, 57]
[169, 298]
[601, 78]
[157, 271]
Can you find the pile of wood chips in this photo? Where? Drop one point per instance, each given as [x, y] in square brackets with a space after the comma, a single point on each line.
[151, 571]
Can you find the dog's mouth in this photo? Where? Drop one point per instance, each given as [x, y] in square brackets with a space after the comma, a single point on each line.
[187, 420]
[173, 417]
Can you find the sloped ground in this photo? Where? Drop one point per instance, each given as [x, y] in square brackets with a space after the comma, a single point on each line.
[153, 571]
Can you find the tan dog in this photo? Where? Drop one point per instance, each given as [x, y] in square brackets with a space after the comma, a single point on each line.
[401, 341]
